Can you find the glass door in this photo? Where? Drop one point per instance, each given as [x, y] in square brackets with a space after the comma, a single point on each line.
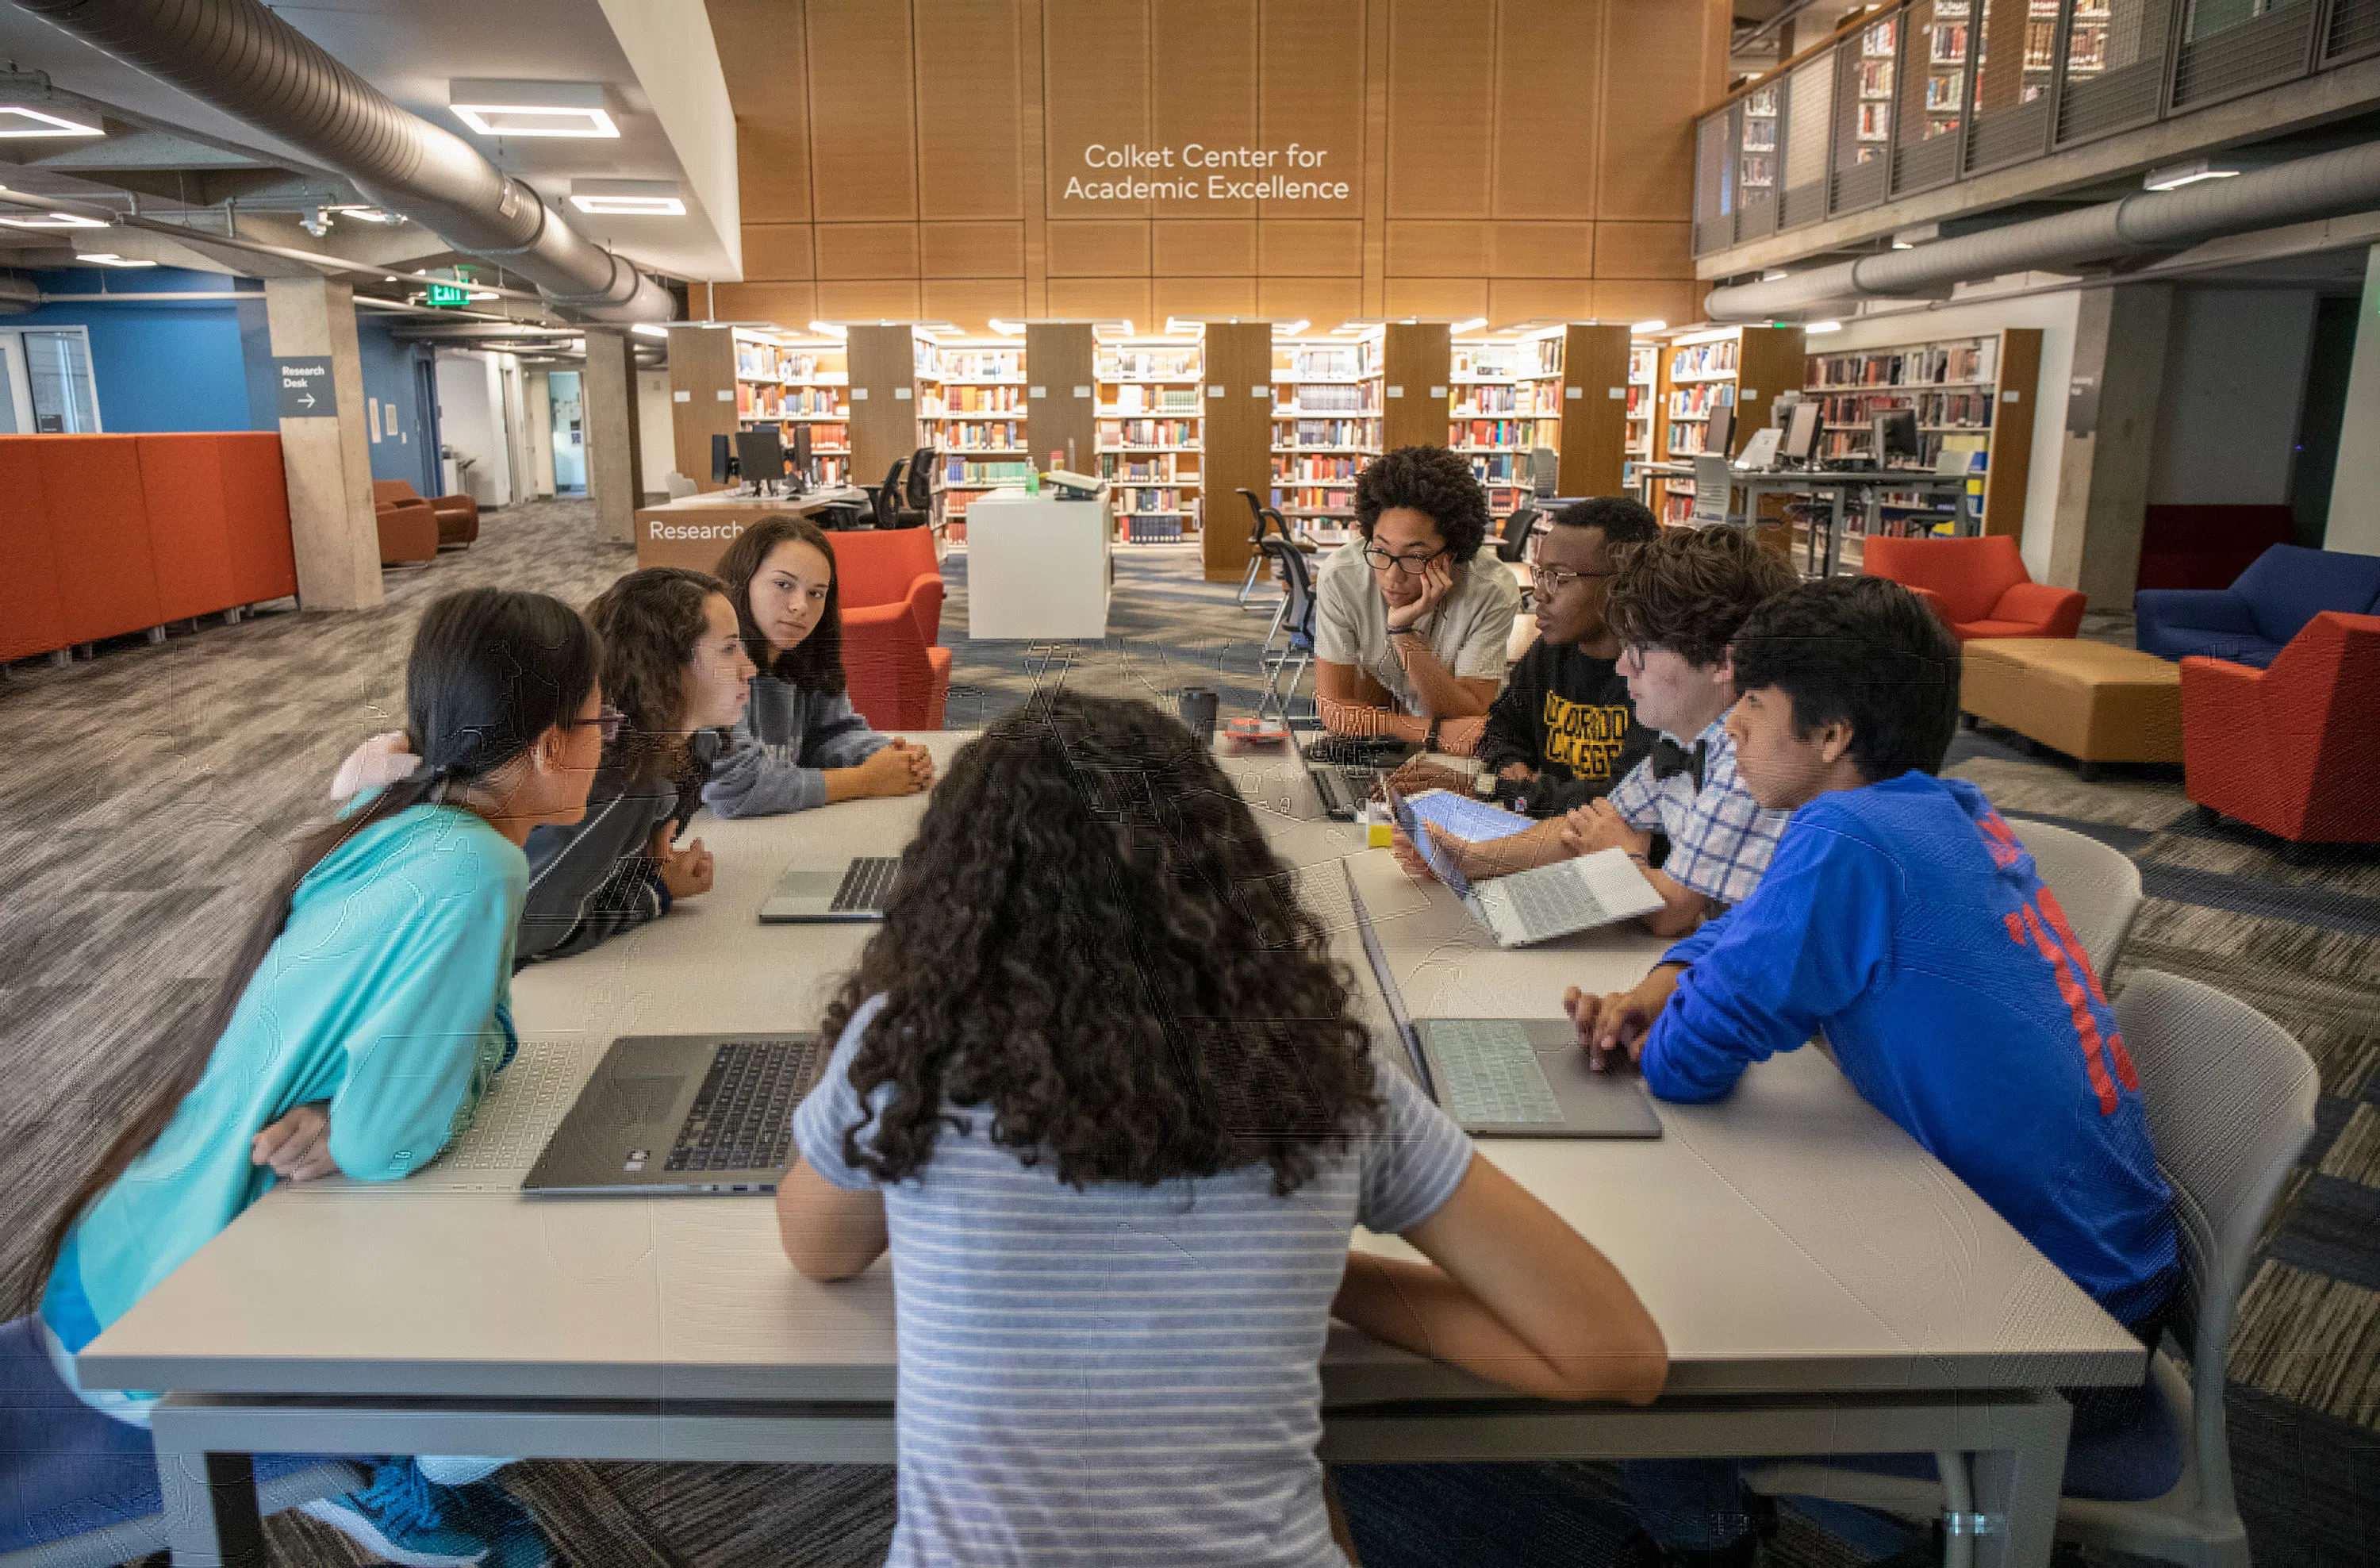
[569, 434]
[45, 375]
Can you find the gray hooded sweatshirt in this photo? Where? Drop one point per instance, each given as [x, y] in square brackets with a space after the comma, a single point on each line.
[777, 759]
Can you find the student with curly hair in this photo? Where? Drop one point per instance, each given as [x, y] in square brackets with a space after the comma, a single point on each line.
[1410, 625]
[1101, 1090]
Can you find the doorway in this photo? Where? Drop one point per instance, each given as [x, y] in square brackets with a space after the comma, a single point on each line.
[569, 433]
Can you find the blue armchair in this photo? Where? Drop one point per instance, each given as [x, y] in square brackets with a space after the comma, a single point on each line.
[2255, 617]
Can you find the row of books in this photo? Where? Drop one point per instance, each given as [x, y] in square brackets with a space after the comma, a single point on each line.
[1686, 440]
[1970, 409]
[1317, 399]
[824, 437]
[771, 361]
[1309, 499]
[1492, 432]
[1135, 399]
[1164, 468]
[1905, 367]
[1853, 443]
[1535, 356]
[1306, 468]
[1146, 528]
[1704, 358]
[985, 435]
[1529, 397]
[1332, 360]
[1499, 468]
[982, 400]
[1697, 399]
[1324, 432]
[764, 401]
[1124, 362]
[1141, 501]
[982, 364]
[958, 470]
[1147, 432]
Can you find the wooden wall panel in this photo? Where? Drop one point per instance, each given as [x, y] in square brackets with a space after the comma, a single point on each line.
[972, 303]
[1319, 302]
[1644, 251]
[890, 300]
[1057, 359]
[972, 250]
[1441, 95]
[1237, 434]
[762, 55]
[1415, 363]
[778, 252]
[1101, 299]
[970, 109]
[1099, 247]
[1450, 298]
[788, 304]
[1202, 297]
[1194, 247]
[1310, 248]
[1436, 251]
[1546, 87]
[1594, 424]
[1314, 108]
[866, 250]
[1646, 300]
[1513, 300]
[1094, 59]
[1540, 250]
[885, 422]
[702, 365]
[863, 110]
[1204, 77]
[1658, 69]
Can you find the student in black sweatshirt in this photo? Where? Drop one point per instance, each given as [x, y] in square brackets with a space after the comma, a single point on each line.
[1562, 731]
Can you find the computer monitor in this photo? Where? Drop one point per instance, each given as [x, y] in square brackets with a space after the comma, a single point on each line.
[761, 455]
[1545, 470]
[802, 470]
[1802, 433]
[1718, 432]
[723, 459]
[1893, 433]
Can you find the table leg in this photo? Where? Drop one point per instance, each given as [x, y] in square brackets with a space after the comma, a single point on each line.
[1835, 534]
[2016, 1488]
[212, 1519]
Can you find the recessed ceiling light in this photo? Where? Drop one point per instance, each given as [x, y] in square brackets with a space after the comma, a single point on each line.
[628, 198]
[1648, 326]
[484, 294]
[1823, 326]
[531, 108]
[109, 258]
[648, 328]
[1005, 329]
[15, 119]
[54, 220]
[828, 329]
[1474, 324]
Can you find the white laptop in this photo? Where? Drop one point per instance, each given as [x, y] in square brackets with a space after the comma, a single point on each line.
[1537, 905]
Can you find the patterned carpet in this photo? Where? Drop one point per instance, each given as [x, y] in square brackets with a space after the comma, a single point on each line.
[143, 791]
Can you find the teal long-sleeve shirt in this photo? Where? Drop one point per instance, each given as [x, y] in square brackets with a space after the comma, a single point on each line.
[388, 993]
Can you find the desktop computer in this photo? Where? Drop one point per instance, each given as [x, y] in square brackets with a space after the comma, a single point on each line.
[723, 459]
[761, 454]
[1718, 431]
[1892, 433]
[1802, 433]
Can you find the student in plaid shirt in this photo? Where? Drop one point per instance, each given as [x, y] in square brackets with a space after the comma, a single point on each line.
[1676, 605]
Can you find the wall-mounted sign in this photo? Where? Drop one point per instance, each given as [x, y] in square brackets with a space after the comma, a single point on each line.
[1195, 172]
[306, 391]
[448, 294]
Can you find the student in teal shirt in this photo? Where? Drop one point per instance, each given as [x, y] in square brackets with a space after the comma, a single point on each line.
[362, 1020]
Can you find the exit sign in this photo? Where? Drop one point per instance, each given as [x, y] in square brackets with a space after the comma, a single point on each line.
[448, 294]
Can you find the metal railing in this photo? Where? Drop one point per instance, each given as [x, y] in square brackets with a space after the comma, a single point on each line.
[1928, 92]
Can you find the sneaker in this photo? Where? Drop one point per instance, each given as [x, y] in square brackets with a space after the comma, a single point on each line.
[404, 1517]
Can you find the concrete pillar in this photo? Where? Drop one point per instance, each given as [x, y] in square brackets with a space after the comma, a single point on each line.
[2354, 523]
[326, 461]
[2111, 415]
[615, 459]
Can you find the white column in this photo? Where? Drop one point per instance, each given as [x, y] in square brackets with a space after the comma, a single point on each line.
[2354, 524]
[327, 462]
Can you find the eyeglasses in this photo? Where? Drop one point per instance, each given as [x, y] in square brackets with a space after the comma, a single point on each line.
[607, 721]
[1412, 565]
[1553, 580]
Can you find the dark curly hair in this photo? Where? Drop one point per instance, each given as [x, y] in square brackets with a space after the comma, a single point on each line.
[816, 663]
[650, 622]
[1433, 481]
[1864, 651]
[1091, 942]
[1690, 589]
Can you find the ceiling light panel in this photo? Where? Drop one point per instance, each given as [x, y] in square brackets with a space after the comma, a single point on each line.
[16, 119]
[531, 108]
[628, 198]
[51, 220]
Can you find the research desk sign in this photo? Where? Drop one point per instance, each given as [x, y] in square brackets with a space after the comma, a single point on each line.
[1196, 171]
[306, 388]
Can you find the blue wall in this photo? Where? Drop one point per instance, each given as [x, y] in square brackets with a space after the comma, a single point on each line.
[162, 365]
[390, 376]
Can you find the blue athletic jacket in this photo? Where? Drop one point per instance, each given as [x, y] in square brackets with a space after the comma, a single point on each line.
[1905, 922]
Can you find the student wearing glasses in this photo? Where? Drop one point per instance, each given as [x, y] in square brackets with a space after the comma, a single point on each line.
[1410, 625]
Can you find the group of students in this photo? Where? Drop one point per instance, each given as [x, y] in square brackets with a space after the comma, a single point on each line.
[1099, 1084]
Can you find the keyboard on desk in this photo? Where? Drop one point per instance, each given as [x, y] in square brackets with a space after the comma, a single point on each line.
[1554, 905]
[743, 1115]
[1488, 1075]
[867, 884]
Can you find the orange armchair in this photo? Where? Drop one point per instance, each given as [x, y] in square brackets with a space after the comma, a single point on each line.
[408, 531]
[890, 566]
[1978, 585]
[890, 589]
[458, 516]
[2295, 749]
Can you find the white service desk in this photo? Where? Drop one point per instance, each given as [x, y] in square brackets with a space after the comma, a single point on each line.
[1039, 569]
[1825, 1286]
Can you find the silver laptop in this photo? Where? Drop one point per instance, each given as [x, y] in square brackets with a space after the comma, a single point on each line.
[1536, 906]
[682, 1113]
[1508, 1078]
[850, 890]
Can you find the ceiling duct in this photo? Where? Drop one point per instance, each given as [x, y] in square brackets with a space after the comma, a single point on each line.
[2329, 185]
[237, 56]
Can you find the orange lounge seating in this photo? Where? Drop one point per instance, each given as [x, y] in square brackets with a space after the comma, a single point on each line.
[889, 591]
[2293, 748]
[103, 535]
[1978, 585]
[408, 531]
[458, 516]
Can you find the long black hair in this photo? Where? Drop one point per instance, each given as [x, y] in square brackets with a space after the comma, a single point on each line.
[490, 672]
[816, 662]
[1091, 939]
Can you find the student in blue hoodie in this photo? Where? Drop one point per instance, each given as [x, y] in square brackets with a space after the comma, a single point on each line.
[1901, 918]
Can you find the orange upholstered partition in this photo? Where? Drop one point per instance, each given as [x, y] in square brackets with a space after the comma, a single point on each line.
[189, 535]
[32, 615]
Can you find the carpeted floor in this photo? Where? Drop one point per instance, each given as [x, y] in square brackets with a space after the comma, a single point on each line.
[144, 792]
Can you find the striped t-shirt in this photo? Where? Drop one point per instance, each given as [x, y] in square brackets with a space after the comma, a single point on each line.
[1121, 1373]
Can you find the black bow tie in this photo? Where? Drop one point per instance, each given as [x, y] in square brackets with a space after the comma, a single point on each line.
[1669, 758]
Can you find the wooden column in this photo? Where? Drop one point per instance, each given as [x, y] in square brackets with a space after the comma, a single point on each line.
[1416, 360]
[1594, 408]
[2008, 471]
[702, 397]
[1237, 431]
[883, 400]
[615, 468]
[1769, 360]
[326, 462]
[1060, 394]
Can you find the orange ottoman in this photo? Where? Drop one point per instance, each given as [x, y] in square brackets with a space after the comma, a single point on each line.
[2095, 702]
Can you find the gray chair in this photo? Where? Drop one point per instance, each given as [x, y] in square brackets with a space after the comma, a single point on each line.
[2099, 888]
[2230, 1098]
[1296, 616]
[1714, 492]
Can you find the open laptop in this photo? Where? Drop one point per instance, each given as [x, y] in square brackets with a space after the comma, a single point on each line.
[1346, 769]
[683, 1115]
[849, 889]
[1507, 1077]
[1538, 905]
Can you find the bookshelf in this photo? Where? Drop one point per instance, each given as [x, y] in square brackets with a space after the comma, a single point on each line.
[971, 410]
[1594, 418]
[702, 397]
[1062, 427]
[1239, 361]
[1326, 425]
[1743, 368]
[1150, 414]
[1504, 397]
[1644, 372]
[884, 427]
[785, 384]
[1974, 394]
[1416, 369]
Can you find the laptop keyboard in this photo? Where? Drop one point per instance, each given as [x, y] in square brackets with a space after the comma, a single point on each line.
[1344, 789]
[866, 884]
[1553, 905]
[1488, 1075]
[743, 1116]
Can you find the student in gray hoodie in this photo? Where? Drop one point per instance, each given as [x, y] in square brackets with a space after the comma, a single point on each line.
[798, 743]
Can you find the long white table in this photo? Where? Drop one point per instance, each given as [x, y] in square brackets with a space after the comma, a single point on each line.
[1824, 1285]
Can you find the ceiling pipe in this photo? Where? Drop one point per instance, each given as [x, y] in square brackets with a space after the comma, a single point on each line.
[2329, 185]
[237, 56]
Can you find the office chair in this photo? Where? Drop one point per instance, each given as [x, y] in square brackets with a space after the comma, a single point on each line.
[1297, 615]
[886, 500]
[1714, 492]
[1257, 510]
[2099, 888]
[1513, 544]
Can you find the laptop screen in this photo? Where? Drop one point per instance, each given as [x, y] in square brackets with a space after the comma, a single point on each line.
[1440, 865]
[1387, 983]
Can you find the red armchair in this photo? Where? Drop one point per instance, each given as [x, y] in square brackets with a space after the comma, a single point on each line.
[1978, 585]
[458, 516]
[408, 531]
[2293, 749]
[889, 590]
